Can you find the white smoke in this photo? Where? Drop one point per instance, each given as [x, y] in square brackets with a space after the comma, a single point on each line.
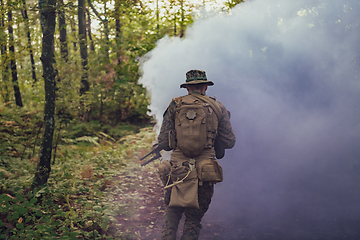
[288, 72]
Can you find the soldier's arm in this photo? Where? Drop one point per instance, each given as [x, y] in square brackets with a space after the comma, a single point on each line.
[225, 132]
[168, 125]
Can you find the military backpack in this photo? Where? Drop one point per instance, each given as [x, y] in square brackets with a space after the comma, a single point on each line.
[195, 124]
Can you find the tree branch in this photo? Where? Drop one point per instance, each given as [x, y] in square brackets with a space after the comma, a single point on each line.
[97, 13]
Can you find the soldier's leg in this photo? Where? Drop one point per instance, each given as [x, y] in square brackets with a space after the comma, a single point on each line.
[193, 216]
[171, 221]
[167, 196]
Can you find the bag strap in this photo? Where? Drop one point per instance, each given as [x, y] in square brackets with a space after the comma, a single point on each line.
[214, 105]
[177, 182]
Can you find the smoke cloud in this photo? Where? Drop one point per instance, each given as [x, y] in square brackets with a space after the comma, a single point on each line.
[289, 74]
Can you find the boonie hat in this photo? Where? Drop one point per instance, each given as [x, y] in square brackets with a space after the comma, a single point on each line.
[196, 77]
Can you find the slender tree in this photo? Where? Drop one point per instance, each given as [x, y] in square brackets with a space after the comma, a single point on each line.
[48, 21]
[118, 33]
[88, 27]
[63, 34]
[157, 18]
[73, 31]
[106, 31]
[182, 20]
[85, 86]
[26, 18]
[14, 74]
[5, 92]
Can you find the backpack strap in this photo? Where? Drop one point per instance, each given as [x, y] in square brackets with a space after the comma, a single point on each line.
[219, 148]
[214, 105]
[177, 101]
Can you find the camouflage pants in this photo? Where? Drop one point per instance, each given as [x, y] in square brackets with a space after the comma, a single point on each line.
[193, 216]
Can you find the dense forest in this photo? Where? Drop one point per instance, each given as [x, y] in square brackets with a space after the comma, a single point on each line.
[73, 115]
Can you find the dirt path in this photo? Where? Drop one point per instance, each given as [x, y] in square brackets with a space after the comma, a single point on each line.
[145, 205]
[146, 221]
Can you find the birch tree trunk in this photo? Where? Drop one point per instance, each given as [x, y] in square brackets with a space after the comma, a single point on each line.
[47, 20]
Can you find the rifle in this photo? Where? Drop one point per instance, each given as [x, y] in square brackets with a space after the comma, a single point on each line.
[156, 150]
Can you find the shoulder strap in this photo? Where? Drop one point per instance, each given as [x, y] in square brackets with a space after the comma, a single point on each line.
[214, 105]
[177, 100]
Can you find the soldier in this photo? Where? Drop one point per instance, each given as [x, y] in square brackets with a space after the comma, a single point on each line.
[194, 141]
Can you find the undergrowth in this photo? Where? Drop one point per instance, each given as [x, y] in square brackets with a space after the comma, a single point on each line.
[76, 203]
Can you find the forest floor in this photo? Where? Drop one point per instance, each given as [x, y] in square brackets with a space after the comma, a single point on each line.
[98, 187]
[143, 203]
[142, 218]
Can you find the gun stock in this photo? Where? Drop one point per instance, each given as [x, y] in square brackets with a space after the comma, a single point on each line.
[155, 152]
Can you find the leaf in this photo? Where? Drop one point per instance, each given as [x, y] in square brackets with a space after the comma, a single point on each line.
[74, 234]
[22, 210]
[109, 212]
[97, 208]
[19, 225]
[26, 204]
[107, 136]
[38, 213]
[15, 215]
[40, 192]
[19, 196]
[108, 218]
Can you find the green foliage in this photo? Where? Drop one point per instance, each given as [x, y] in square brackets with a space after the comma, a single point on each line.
[78, 201]
[19, 132]
[77, 129]
[113, 67]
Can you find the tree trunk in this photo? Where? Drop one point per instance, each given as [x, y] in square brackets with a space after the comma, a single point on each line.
[88, 26]
[107, 40]
[47, 20]
[73, 31]
[14, 76]
[175, 24]
[106, 31]
[85, 86]
[26, 18]
[62, 29]
[5, 92]
[182, 25]
[157, 18]
[117, 19]
[118, 29]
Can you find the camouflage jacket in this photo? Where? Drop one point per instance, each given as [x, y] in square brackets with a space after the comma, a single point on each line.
[225, 132]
